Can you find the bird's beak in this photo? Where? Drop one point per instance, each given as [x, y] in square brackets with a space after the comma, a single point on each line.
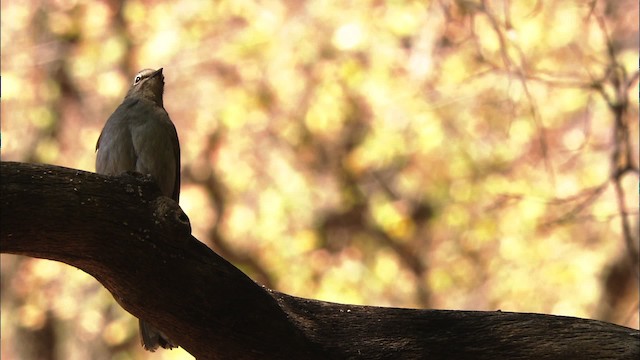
[159, 71]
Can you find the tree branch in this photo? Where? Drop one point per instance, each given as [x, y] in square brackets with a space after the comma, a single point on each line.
[137, 243]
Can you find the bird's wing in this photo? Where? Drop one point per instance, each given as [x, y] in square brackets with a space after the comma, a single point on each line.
[176, 153]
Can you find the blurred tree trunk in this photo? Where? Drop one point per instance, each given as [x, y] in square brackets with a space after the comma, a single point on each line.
[138, 245]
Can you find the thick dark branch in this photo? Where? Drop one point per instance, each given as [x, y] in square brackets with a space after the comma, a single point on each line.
[138, 245]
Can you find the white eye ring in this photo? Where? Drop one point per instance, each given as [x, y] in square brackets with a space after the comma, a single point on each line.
[137, 80]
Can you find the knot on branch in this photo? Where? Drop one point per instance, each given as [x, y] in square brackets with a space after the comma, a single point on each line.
[168, 214]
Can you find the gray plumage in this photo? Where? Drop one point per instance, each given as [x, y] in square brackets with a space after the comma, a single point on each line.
[139, 136]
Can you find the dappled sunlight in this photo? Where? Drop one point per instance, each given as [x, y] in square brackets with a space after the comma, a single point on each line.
[408, 154]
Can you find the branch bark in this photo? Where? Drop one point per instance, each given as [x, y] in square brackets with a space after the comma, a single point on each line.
[137, 243]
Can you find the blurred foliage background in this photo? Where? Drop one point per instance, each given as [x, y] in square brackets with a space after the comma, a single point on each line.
[437, 154]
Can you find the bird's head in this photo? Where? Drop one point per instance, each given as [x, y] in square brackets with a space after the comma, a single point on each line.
[148, 84]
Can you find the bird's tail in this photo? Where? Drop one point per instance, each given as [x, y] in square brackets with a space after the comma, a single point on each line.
[152, 338]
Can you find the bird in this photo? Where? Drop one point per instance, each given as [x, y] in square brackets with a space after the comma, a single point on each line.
[140, 137]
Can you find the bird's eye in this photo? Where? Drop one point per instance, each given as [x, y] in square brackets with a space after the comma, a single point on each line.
[137, 80]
